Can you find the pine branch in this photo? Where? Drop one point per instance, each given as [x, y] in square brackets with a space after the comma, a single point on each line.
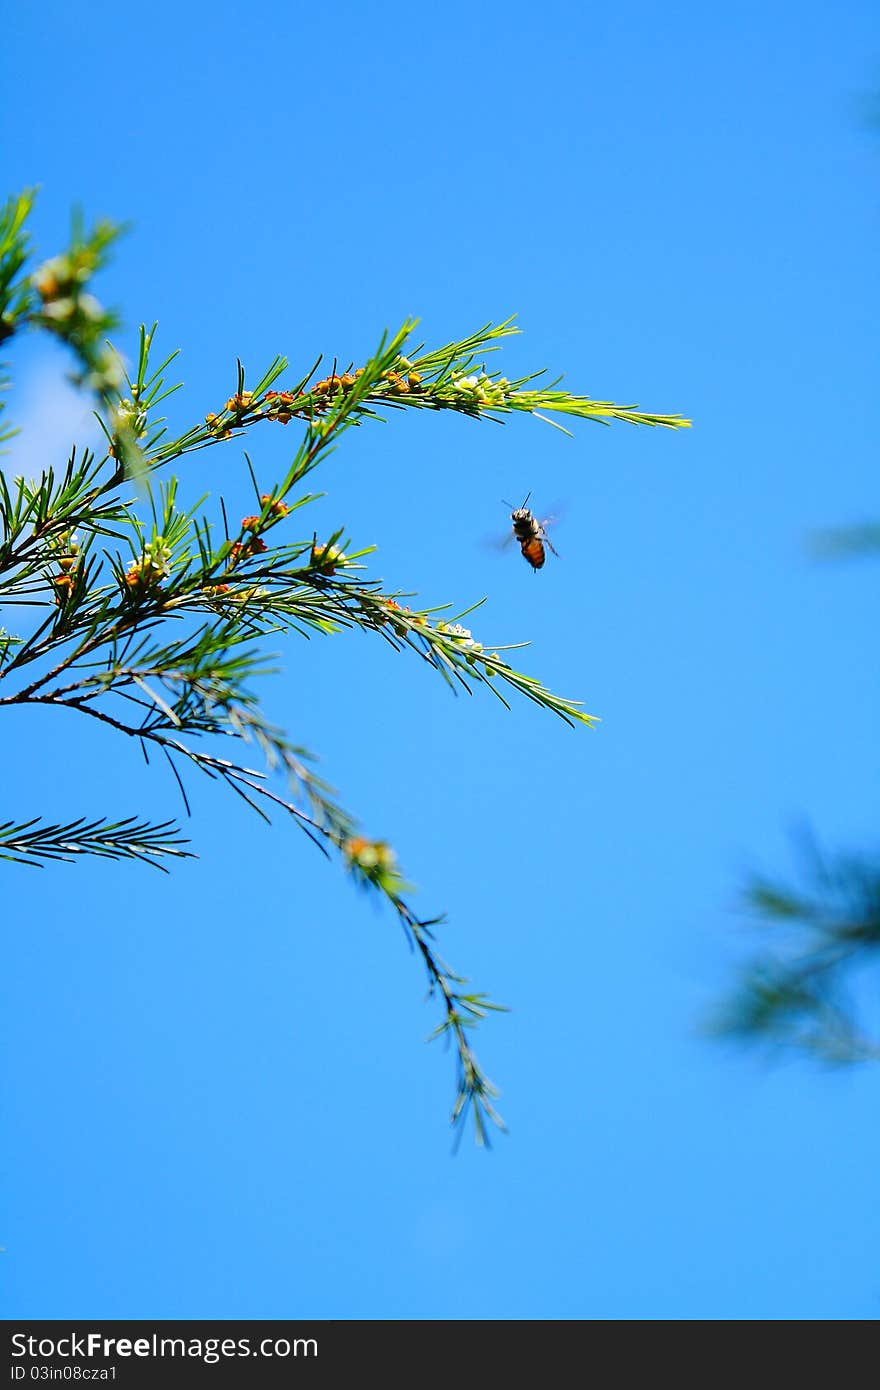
[443, 379]
[30, 841]
[847, 542]
[98, 577]
[372, 863]
[15, 296]
[795, 994]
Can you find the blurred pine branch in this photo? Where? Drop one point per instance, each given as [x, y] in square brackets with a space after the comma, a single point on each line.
[802, 991]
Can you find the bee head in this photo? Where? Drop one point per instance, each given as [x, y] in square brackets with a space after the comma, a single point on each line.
[519, 513]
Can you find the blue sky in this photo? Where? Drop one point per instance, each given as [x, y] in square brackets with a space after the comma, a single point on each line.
[217, 1096]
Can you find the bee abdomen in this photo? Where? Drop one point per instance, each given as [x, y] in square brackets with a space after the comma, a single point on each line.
[533, 551]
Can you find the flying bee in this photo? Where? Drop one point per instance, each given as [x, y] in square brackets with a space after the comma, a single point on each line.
[531, 534]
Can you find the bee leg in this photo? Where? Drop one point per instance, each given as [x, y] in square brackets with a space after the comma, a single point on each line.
[547, 541]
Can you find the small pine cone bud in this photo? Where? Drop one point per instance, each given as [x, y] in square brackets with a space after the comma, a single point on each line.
[326, 558]
[276, 507]
[52, 278]
[278, 405]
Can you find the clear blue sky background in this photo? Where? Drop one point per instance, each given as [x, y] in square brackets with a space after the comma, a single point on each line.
[218, 1102]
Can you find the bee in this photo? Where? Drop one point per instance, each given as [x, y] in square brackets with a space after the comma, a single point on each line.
[531, 534]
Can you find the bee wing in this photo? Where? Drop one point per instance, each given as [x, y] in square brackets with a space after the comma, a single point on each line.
[556, 515]
[548, 521]
[498, 542]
